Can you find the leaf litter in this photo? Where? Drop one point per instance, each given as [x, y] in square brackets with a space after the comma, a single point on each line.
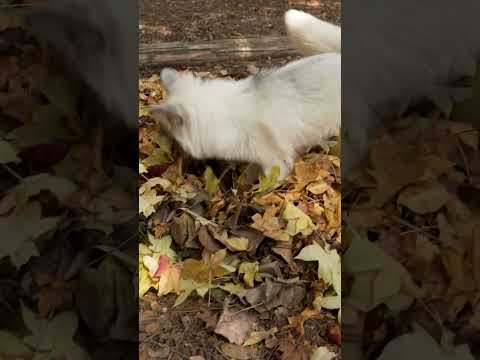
[250, 253]
[414, 211]
[69, 227]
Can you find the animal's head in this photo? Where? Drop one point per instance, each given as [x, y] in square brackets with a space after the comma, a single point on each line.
[179, 114]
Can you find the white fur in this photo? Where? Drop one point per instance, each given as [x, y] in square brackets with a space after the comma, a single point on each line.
[310, 35]
[398, 52]
[265, 119]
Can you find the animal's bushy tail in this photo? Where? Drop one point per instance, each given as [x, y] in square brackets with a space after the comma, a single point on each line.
[312, 36]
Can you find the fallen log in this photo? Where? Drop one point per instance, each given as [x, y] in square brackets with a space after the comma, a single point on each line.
[243, 49]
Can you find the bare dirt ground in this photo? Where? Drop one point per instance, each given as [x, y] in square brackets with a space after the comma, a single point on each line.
[203, 20]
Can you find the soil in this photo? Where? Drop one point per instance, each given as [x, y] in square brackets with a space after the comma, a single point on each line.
[203, 20]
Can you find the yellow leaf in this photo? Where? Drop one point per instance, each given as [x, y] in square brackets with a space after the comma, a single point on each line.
[211, 181]
[147, 202]
[270, 181]
[232, 243]
[231, 288]
[329, 267]
[270, 225]
[298, 221]
[203, 271]
[249, 269]
[257, 336]
[145, 282]
[318, 187]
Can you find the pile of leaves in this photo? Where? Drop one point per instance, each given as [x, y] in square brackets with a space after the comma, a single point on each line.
[65, 223]
[413, 225]
[265, 252]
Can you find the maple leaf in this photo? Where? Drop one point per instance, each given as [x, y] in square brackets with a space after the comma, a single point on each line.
[329, 266]
[420, 344]
[188, 286]
[53, 337]
[270, 225]
[383, 281]
[161, 246]
[20, 229]
[161, 267]
[233, 243]
[298, 221]
[148, 196]
[147, 202]
[250, 271]
[207, 269]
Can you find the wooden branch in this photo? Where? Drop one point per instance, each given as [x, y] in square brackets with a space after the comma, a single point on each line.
[244, 49]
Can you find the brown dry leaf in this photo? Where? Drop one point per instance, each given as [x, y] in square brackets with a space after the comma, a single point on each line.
[235, 326]
[258, 336]
[270, 225]
[236, 352]
[202, 271]
[424, 198]
[272, 294]
[209, 317]
[297, 321]
[394, 167]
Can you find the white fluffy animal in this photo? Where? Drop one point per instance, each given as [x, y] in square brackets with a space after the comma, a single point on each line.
[267, 118]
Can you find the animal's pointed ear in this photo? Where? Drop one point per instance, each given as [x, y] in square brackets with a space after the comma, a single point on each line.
[168, 116]
[169, 76]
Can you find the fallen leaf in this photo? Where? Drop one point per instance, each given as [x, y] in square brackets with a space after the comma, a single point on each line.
[298, 221]
[258, 336]
[424, 198]
[235, 326]
[323, 353]
[269, 181]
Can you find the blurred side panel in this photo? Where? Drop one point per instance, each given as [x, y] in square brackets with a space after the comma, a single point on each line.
[68, 173]
[411, 179]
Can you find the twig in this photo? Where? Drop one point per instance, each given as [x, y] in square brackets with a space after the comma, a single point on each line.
[465, 161]
[414, 227]
[247, 308]
[13, 172]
